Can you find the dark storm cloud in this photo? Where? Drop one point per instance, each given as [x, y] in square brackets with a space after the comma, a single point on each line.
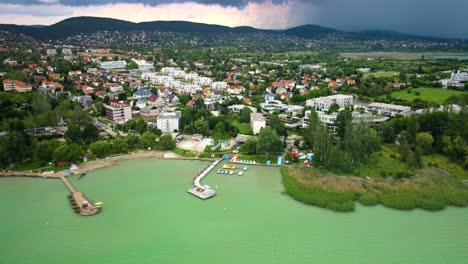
[443, 18]
[234, 3]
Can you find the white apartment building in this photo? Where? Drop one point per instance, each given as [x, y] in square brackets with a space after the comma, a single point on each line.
[168, 122]
[118, 112]
[173, 84]
[188, 88]
[67, 52]
[219, 85]
[190, 76]
[51, 52]
[113, 65]
[257, 122]
[143, 64]
[324, 103]
[203, 81]
[459, 77]
[238, 108]
[389, 109]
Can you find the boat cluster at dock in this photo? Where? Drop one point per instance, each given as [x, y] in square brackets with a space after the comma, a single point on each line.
[230, 170]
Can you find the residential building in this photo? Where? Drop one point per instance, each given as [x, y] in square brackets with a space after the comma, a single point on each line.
[389, 109]
[257, 122]
[219, 85]
[142, 94]
[113, 65]
[238, 108]
[118, 111]
[324, 103]
[144, 65]
[19, 86]
[168, 122]
[164, 91]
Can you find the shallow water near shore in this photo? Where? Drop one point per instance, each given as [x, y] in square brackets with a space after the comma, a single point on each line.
[148, 217]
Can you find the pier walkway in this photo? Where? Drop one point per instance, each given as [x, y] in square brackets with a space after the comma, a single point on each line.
[78, 200]
[203, 191]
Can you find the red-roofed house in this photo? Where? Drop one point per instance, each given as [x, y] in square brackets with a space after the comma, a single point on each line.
[165, 91]
[19, 86]
[52, 87]
[53, 76]
[87, 89]
[236, 89]
[191, 103]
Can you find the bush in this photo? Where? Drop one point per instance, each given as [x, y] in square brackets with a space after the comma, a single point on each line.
[369, 199]
[341, 207]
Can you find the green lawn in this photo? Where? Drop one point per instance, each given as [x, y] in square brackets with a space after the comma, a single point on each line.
[35, 166]
[444, 163]
[184, 153]
[244, 129]
[381, 74]
[385, 163]
[436, 95]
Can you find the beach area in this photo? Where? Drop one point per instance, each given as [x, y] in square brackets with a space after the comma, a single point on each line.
[93, 165]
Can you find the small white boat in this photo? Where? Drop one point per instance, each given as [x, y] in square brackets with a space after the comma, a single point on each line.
[245, 168]
[240, 173]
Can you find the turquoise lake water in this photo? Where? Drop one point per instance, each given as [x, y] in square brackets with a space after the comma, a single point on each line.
[148, 217]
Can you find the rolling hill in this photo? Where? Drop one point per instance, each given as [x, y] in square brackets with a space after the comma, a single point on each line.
[88, 25]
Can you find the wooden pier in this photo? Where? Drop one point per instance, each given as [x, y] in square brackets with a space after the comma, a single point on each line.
[203, 191]
[78, 200]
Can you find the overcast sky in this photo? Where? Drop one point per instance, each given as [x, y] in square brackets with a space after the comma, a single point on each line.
[447, 18]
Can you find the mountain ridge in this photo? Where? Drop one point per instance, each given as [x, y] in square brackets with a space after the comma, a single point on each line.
[89, 25]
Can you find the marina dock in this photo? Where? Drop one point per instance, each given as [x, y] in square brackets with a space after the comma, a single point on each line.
[203, 191]
[77, 199]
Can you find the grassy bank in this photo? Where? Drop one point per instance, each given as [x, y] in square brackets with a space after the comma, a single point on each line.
[430, 189]
[184, 153]
[436, 95]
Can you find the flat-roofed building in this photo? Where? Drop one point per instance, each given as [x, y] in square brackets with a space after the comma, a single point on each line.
[389, 109]
[168, 122]
[118, 112]
[257, 122]
[324, 103]
[112, 65]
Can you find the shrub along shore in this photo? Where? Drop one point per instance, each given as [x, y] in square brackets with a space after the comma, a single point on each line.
[430, 189]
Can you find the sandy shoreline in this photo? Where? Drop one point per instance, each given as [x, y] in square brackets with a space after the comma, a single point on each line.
[89, 166]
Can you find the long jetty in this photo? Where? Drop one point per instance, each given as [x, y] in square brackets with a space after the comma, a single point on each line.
[78, 200]
[202, 191]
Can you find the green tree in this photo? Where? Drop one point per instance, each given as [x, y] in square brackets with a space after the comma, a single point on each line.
[40, 103]
[15, 147]
[245, 115]
[132, 140]
[101, 149]
[249, 147]
[90, 133]
[424, 141]
[277, 125]
[166, 142]
[120, 145]
[73, 134]
[68, 152]
[412, 127]
[268, 142]
[148, 140]
[219, 135]
[334, 108]
[131, 66]
[343, 120]
[45, 150]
